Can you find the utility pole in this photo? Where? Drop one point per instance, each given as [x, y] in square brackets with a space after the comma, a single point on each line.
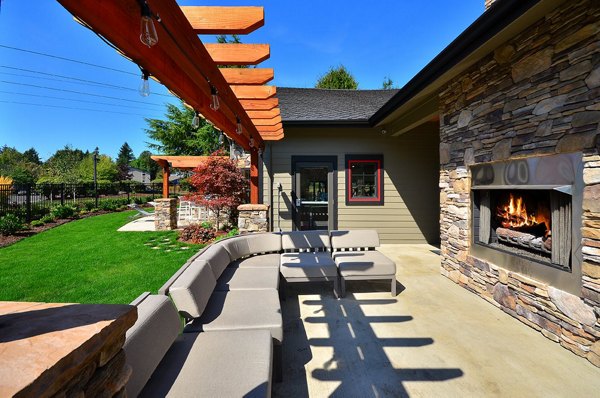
[96, 176]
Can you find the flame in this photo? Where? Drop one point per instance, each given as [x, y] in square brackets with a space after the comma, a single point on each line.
[514, 214]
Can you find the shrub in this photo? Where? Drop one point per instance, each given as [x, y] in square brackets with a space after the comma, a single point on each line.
[64, 211]
[232, 232]
[206, 224]
[89, 205]
[9, 224]
[48, 218]
[36, 223]
[196, 233]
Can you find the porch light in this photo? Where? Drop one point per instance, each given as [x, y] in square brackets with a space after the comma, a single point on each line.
[148, 34]
[214, 105]
[238, 128]
[144, 88]
[196, 120]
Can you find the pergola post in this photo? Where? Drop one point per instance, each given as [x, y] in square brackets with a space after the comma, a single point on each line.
[254, 177]
[166, 175]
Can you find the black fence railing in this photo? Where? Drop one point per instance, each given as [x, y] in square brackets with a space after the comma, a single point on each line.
[33, 201]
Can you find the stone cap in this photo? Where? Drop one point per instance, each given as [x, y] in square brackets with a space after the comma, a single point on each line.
[164, 200]
[45, 345]
[253, 207]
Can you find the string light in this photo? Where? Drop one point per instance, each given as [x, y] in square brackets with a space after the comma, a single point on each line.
[214, 105]
[260, 152]
[144, 88]
[251, 142]
[148, 34]
[221, 138]
[238, 128]
[196, 120]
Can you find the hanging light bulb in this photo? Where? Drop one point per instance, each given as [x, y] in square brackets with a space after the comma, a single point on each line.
[260, 152]
[251, 142]
[221, 138]
[238, 128]
[148, 34]
[144, 88]
[214, 105]
[196, 120]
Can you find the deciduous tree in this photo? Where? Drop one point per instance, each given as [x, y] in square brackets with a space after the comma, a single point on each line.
[337, 78]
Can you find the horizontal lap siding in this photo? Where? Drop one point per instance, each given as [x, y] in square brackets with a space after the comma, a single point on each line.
[410, 213]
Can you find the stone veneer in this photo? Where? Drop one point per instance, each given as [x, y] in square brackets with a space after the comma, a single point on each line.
[253, 218]
[536, 94]
[165, 214]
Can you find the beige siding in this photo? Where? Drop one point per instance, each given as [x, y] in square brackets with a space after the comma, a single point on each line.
[410, 213]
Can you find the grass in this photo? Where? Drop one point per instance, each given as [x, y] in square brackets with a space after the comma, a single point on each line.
[89, 261]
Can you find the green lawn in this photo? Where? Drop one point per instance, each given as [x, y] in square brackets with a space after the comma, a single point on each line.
[88, 261]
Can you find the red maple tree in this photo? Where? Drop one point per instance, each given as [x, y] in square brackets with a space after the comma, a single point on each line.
[219, 185]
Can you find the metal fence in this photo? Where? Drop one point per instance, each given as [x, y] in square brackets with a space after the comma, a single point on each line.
[33, 201]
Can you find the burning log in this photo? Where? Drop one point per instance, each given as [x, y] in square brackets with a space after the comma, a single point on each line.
[524, 239]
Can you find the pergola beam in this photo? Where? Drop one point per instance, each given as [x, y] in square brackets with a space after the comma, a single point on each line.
[266, 122]
[207, 20]
[260, 105]
[264, 114]
[247, 75]
[238, 54]
[254, 92]
[269, 129]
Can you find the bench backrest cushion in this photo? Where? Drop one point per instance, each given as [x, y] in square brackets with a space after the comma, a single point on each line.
[191, 291]
[301, 240]
[356, 238]
[249, 244]
[149, 339]
[217, 257]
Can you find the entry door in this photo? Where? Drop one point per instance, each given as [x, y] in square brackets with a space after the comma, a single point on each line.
[314, 193]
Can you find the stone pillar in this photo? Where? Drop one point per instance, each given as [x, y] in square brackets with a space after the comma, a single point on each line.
[165, 214]
[253, 218]
[64, 350]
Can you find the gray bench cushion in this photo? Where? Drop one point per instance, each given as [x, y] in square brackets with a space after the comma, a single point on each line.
[149, 339]
[191, 291]
[355, 238]
[307, 265]
[241, 310]
[246, 245]
[248, 279]
[217, 257]
[270, 260]
[364, 263]
[223, 364]
[296, 240]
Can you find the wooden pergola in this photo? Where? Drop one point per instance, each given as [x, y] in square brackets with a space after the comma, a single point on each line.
[248, 111]
[178, 162]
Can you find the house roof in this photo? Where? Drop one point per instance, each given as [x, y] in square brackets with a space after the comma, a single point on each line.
[312, 106]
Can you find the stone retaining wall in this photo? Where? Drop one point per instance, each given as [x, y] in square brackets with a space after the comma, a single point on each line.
[536, 94]
[253, 218]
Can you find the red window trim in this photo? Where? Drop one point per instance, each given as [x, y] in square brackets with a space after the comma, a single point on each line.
[351, 199]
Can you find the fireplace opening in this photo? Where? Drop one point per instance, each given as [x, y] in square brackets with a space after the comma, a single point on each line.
[535, 224]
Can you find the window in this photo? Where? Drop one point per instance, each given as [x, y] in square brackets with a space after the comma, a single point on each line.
[364, 180]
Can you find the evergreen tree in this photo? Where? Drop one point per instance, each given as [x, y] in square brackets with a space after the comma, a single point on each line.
[124, 158]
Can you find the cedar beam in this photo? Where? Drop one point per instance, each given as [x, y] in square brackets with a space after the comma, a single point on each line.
[254, 177]
[247, 75]
[206, 20]
[260, 105]
[238, 54]
[264, 114]
[269, 129]
[266, 122]
[254, 92]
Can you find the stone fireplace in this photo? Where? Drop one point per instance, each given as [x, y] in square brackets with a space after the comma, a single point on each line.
[520, 177]
[526, 217]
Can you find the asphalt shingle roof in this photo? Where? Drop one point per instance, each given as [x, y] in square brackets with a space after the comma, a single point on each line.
[330, 106]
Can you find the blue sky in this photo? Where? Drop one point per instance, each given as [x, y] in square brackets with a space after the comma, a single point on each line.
[40, 108]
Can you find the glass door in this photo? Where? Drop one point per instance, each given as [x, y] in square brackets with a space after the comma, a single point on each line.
[313, 195]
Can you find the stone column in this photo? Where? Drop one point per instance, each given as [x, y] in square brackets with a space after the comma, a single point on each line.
[253, 218]
[165, 217]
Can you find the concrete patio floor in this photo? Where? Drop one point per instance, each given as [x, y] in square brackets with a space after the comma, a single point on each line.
[433, 339]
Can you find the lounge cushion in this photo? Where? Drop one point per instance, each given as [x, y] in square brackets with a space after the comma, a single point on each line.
[297, 240]
[270, 260]
[355, 238]
[307, 265]
[241, 310]
[248, 279]
[246, 245]
[223, 364]
[217, 257]
[149, 339]
[364, 263]
[191, 291]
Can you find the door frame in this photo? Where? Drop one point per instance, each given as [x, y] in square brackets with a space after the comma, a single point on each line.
[331, 163]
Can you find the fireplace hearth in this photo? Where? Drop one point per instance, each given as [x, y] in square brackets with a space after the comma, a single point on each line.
[526, 215]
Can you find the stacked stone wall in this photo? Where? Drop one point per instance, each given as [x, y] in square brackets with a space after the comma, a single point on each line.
[537, 94]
